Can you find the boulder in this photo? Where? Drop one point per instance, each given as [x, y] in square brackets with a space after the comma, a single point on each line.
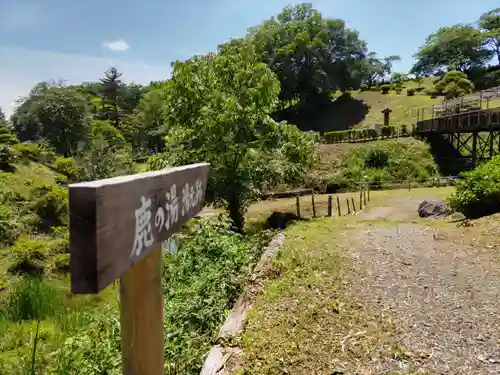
[432, 208]
[280, 220]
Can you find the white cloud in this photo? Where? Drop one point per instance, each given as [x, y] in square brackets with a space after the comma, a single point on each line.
[118, 45]
[22, 69]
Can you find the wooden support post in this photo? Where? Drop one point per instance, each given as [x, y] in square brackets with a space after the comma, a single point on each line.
[409, 184]
[348, 207]
[361, 200]
[368, 193]
[330, 205]
[313, 205]
[480, 100]
[297, 203]
[474, 148]
[338, 206]
[433, 110]
[353, 206]
[492, 137]
[418, 114]
[117, 227]
[141, 316]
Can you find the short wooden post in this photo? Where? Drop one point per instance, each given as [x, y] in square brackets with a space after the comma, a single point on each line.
[353, 206]
[364, 196]
[329, 206]
[297, 203]
[313, 205]
[348, 207]
[361, 200]
[368, 193]
[409, 184]
[338, 206]
[117, 227]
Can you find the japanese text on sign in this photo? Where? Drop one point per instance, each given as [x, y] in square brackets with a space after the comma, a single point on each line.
[166, 216]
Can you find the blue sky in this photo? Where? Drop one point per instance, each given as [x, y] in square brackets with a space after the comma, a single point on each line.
[78, 40]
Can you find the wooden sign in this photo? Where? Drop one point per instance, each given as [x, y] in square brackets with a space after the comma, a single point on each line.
[116, 222]
[117, 228]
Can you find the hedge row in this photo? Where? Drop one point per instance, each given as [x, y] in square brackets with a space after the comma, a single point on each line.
[355, 135]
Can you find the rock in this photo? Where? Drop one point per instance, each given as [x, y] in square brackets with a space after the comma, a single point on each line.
[280, 220]
[458, 216]
[432, 209]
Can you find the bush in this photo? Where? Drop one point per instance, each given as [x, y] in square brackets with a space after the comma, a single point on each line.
[453, 84]
[385, 89]
[202, 281]
[478, 194]
[8, 157]
[387, 131]
[363, 87]
[9, 227]
[410, 91]
[404, 130]
[382, 162]
[398, 90]
[420, 89]
[374, 88]
[66, 166]
[51, 206]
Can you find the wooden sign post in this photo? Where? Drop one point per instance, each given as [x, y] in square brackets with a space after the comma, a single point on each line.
[117, 227]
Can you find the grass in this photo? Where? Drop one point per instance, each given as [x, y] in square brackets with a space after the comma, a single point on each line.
[398, 103]
[306, 320]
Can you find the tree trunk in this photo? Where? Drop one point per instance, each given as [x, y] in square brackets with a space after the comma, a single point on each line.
[236, 215]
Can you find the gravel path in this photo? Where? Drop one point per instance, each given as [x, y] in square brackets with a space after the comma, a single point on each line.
[445, 296]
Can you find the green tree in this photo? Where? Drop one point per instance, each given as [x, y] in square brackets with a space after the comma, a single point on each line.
[453, 85]
[458, 47]
[110, 93]
[145, 128]
[374, 69]
[54, 113]
[217, 111]
[489, 23]
[311, 55]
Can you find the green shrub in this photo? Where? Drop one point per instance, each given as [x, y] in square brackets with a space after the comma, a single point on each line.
[453, 84]
[385, 89]
[410, 91]
[382, 162]
[387, 131]
[376, 158]
[10, 229]
[51, 206]
[478, 194]
[8, 157]
[398, 90]
[404, 129]
[420, 89]
[374, 88]
[202, 281]
[32, 299]
[66, 166]
[363, 87]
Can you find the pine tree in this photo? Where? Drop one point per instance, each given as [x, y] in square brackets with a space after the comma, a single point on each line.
[111, 87]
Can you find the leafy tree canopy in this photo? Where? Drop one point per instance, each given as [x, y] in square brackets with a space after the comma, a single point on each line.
[54, 113]
[217, 110]
[453, 85]
[490, 24]
[459, 47]
[311, 55]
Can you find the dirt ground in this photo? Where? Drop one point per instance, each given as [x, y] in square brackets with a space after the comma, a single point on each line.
[439, 282]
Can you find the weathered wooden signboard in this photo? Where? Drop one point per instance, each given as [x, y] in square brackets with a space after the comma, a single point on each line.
[117, 227]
